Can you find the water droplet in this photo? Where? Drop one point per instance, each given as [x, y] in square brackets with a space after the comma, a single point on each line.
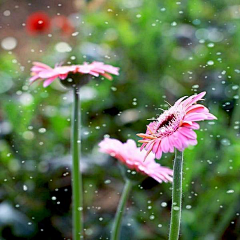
[225, 142]
[75, 34]
[163, 204]
[9, 43]
[6, 13]
[211, 45]
[42, 130]
[152, 217]
[108, 181]
[176, 208]
[210, 62]
[235, 87]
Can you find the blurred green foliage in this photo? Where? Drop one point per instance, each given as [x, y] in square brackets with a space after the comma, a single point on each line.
[165, 50]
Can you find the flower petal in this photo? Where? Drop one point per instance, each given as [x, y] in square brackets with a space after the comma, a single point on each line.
[210, 116]
[191, 100]
[197, 108]
[165, 145]
[195, 117]
[48, 81]
[188, 133]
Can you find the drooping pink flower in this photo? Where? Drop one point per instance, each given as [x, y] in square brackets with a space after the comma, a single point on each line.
[174, 128]
[131, 156]
[41, 71]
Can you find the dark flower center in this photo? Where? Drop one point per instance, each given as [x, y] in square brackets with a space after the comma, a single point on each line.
[167, 122]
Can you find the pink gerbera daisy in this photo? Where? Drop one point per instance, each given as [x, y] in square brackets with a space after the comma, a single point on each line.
[41, 71]
[174, 128]
[131, 156]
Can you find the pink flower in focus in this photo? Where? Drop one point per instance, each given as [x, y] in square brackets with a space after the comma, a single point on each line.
[41, 71]
[175, 127]
[131, 156]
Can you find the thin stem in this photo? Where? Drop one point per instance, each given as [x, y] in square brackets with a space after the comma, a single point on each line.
[119, 214]
[76, 173]
[176, 196]
[236, 110]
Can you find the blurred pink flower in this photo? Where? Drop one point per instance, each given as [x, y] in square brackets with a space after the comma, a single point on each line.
[131, 156]
[62, 24]
[174, 128]
[41, 71]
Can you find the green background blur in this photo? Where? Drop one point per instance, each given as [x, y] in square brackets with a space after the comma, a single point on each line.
[165, 50]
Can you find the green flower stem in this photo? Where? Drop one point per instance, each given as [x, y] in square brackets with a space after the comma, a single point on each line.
[76, 173]
[236, 110]
[115, 234]
[176, 196]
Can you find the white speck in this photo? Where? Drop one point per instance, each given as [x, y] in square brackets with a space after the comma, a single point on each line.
[9, 43]
[230, 191]
[26, 99]
[211, 45]
[210, 62]
[42, 130]
[163, 204]
[25, 188]
[152, 217]
[63, 47]
[75, 34]
[195, 86]
[28, 135]
[107, 181]
[7, 13]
